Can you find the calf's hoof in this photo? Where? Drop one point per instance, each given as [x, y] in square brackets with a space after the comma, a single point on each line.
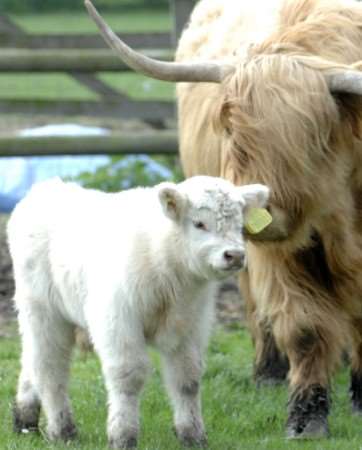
[308, 412]
[26, 419]
[124, 441]
[68, 432]
[189, 437]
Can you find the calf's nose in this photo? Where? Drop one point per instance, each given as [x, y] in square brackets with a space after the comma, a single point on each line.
[234, 258]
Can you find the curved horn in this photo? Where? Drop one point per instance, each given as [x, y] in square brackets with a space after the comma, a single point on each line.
[211, 72]
[349, 81]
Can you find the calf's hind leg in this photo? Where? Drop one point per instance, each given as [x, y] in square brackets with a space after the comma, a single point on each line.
[47, 342]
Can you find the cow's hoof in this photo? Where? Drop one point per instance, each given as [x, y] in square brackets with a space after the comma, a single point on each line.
[356, 410]
[356, 393]
[308, 412]
[315, 428]
[26, 420]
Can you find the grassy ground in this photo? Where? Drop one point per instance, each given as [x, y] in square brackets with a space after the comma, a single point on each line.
[237, 415]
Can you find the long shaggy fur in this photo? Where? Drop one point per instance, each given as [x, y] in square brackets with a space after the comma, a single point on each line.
[275, 121]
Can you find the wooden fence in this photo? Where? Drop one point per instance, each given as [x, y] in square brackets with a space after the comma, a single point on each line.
[81, 57]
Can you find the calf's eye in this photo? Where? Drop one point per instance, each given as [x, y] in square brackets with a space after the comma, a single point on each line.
[200, 225]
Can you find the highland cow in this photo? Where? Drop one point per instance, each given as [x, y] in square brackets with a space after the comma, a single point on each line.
[272, 95]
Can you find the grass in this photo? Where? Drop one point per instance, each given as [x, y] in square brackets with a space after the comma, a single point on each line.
[237, 415]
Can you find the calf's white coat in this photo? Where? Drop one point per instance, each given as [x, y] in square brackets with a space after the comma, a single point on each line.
[133, 268]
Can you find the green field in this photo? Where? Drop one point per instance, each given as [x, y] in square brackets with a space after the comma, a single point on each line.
[237, 415]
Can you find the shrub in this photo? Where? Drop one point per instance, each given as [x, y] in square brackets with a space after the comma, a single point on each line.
[126, 172]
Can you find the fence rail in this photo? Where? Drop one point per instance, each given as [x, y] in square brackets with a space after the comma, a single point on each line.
[122, 108]
[54, 41]
[60, 60]
[151, 142]
[82, 57]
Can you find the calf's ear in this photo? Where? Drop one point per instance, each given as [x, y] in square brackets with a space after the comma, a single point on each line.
[254, 195]
[172, 200]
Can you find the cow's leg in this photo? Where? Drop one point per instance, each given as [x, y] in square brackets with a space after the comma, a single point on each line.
[313, 353]
[356, 368]
[47, 343]
[271, 365]
[182, 370]
[125, 364]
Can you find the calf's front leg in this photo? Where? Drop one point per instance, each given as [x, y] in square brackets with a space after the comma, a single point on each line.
[125, 367]
[182, 369]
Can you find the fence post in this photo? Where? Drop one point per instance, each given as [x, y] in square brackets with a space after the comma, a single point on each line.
[180, 10]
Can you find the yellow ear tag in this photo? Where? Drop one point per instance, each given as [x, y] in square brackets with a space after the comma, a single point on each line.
[257, 219]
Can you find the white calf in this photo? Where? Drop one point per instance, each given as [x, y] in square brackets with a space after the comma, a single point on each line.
[133, 268]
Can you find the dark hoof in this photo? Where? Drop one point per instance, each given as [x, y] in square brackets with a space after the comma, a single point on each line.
[356, 409]
[189, 438]
[123, 443]
[316, 428]
[308, 412]
[189, 441]
[68, 432]
[26, 420]
[356, 393]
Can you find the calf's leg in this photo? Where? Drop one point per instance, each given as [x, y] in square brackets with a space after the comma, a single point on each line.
[27, 404]
[47, 342]
[182, 369]
[125, 367]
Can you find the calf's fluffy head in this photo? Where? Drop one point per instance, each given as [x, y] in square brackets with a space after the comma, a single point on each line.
[209, 213]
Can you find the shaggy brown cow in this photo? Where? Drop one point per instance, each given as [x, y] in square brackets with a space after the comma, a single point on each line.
[281, 105]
